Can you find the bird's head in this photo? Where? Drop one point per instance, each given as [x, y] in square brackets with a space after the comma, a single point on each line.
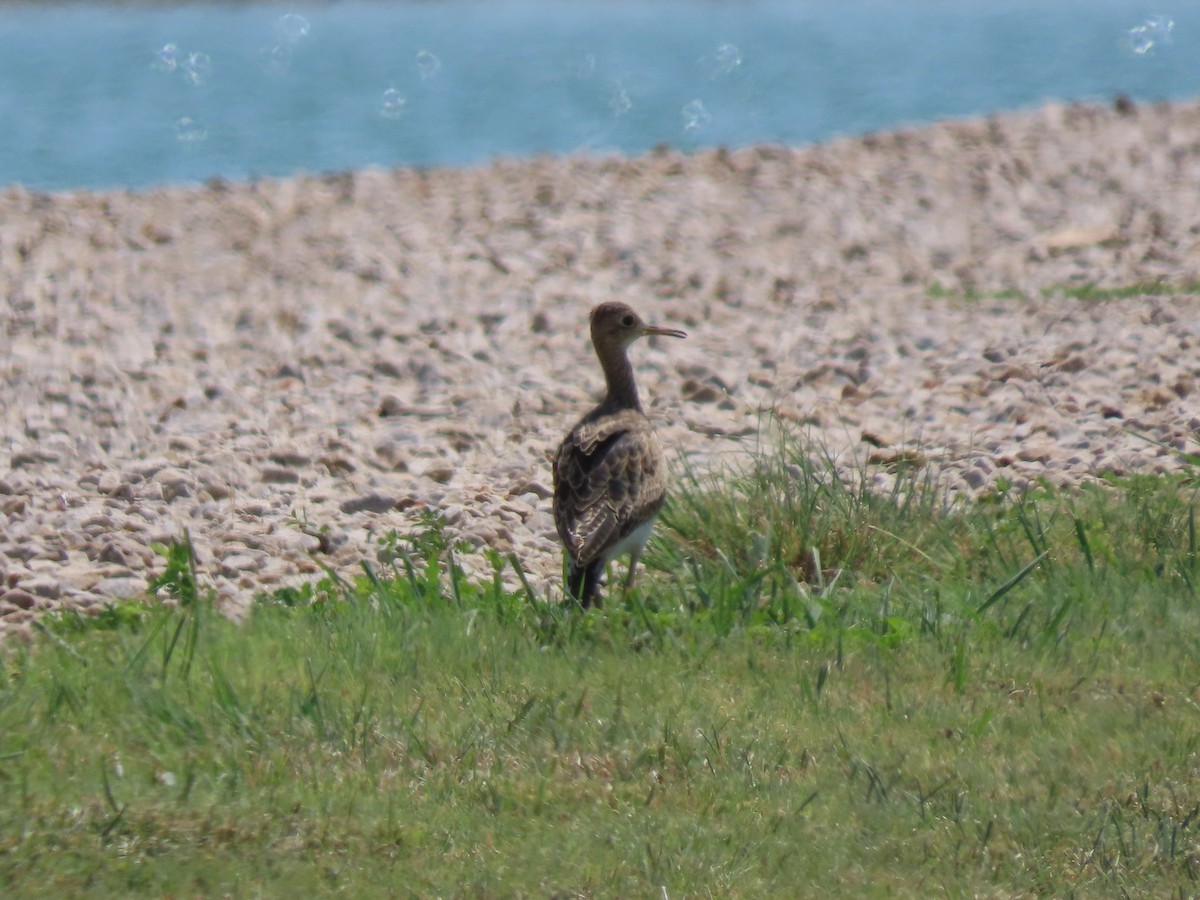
[616, 325]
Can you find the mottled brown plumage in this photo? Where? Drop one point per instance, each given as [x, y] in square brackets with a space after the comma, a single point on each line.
[609, 476]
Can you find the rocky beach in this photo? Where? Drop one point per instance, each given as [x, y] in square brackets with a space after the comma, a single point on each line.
[289, 370]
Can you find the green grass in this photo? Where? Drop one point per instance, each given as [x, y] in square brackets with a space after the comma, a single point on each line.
[1089, 291]
[1124, 292]
[937, 291]
[815, 690]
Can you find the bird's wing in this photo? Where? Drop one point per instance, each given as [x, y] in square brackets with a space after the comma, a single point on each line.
[608, 479]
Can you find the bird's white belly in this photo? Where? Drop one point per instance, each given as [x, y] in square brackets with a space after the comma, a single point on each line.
[635, 540]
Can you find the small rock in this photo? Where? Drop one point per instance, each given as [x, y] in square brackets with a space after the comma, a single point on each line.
[974, 478]
[392, 405]
[153, 492]
[454, 513]
[371, 502]
[175, 484]
[336, 464]
[27, 458]
[1035, 453]
[19, 598]
[98, 523]
[1075, 363]
[233, 566]
[342, 330]
[120, 587]
[23, 552]
[532, 487]
[147, 468]
[13, 506]
[290, 456]
[82, 577]
[295, 542]
[113, 485]
[181, 443]
[480, 535]
[387, 369]
[279, 475]
[84, 601]
[114, 553]
[47, 587]
[1014, 373]
[328, 539]
[440, 472]
[698, 392]
[218, 490]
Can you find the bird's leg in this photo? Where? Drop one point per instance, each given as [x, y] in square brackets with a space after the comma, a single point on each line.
[583, 582]
[633, 561]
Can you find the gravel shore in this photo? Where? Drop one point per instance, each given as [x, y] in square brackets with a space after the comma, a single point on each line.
[291, 369]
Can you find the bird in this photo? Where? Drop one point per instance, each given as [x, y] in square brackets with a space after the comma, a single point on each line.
[609, 476]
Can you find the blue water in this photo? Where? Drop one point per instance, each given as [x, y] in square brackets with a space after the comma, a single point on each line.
[89, 97]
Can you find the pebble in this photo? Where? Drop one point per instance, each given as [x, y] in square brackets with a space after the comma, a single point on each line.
[300, 416]
[120, 587]
[44, 586]
[290, 456]
[175, 484]
[372, 502]
[279, 475]
[440, 472]
[19, 599]
[233, 566]
[216, 488]
[532, 486]
[974, 477]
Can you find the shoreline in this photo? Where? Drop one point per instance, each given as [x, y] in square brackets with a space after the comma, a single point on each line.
[290, 368]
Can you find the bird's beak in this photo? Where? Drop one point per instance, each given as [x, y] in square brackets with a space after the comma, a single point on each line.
[664, 332]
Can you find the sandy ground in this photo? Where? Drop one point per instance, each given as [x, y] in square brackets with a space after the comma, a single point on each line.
[291, 369]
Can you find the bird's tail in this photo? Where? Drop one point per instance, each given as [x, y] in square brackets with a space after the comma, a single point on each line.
[583, 581]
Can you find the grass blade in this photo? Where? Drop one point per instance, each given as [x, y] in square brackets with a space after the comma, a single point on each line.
[1081, 536]
[999, 593]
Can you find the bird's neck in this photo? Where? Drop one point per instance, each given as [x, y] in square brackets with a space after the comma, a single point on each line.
[618, 375]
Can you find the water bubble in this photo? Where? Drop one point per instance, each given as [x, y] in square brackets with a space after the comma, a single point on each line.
[585, 67]
[619, 102]
[392, 104]
[1139, 42]
[190, 131]
[1154, 32]
[729, 57]
[427, 64]
[167, 59]
[197, 68]
[276, 60]
[292, 28]
[695, 116]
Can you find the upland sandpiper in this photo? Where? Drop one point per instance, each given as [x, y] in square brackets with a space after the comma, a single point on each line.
[609, 475]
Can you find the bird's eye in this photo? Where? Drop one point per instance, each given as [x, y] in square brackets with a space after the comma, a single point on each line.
[627, 321]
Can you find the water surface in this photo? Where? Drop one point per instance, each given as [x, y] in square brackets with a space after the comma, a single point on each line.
[102, 96]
